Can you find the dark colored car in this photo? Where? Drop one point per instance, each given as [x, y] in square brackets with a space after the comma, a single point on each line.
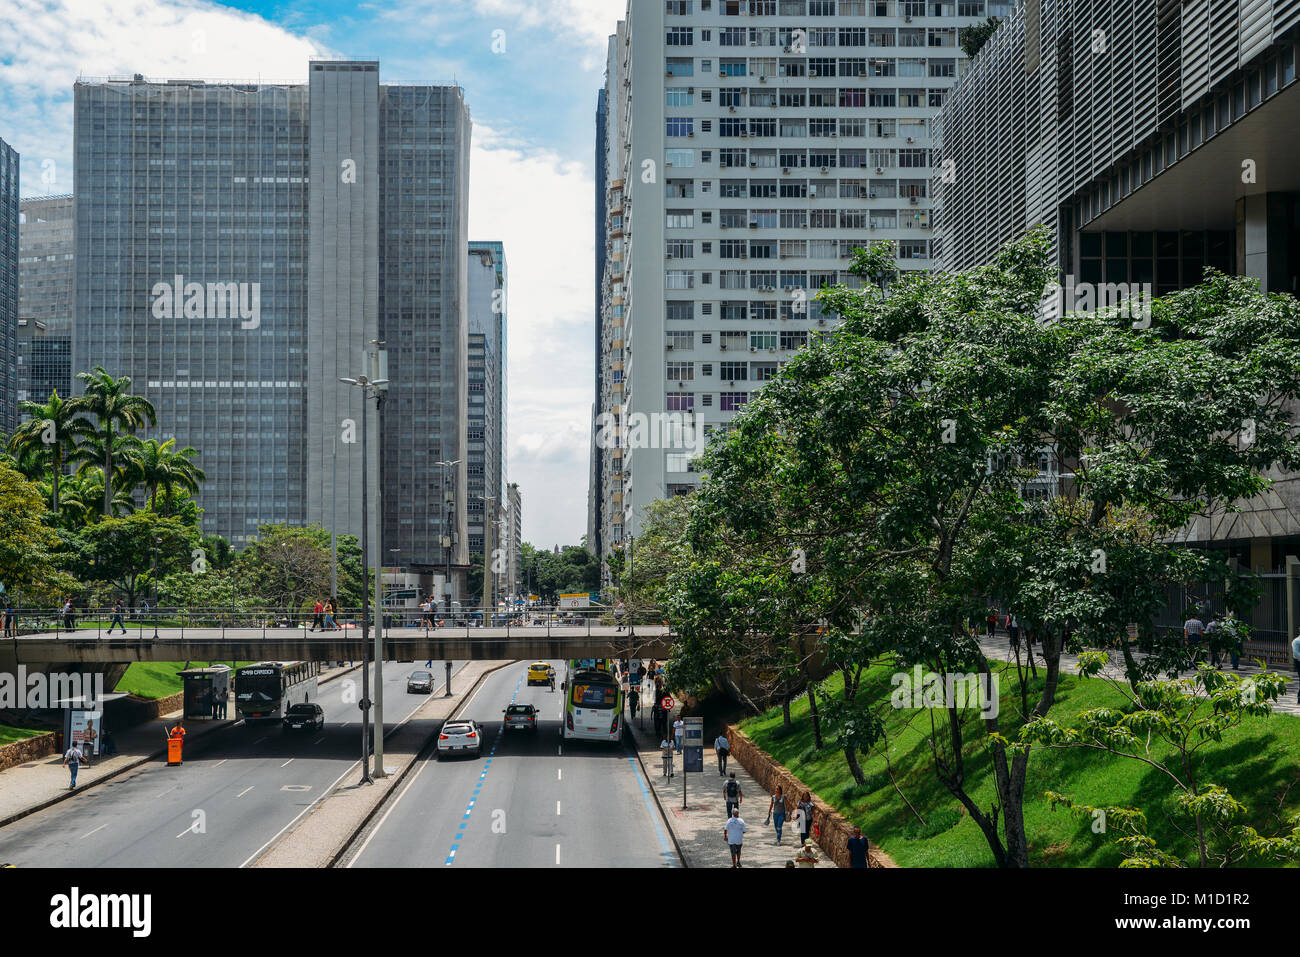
[521, 716]
[420, 681]
[304, 717]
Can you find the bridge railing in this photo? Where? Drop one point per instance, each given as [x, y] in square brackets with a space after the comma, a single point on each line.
[146, 622]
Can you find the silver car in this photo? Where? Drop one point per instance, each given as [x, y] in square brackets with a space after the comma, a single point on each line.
[461, 736]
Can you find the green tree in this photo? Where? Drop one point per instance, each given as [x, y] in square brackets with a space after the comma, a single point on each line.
[27, 546]
[289, 565]
[115, 415]
[162, 466]
[899, 455]
[49, 438]
[133, 552]
[972, 39]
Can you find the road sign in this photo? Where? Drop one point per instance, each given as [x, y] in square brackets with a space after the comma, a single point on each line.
[575, 600]
[666, 703]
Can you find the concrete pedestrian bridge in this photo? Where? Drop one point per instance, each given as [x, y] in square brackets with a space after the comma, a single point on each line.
[147, 643]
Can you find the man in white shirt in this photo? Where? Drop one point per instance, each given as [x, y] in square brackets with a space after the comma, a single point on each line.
[679, 732]
[666, 749]
[734, 832]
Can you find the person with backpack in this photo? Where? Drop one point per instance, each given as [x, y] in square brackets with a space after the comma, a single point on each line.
[858, 849]
[73, 758]
[733, 793]
[722, 747]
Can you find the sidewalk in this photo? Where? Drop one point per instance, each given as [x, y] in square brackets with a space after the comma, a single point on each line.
[28, 788]
[698, 829]
[999, 647]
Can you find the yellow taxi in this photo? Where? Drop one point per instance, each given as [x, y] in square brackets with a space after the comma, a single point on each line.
[539, 673]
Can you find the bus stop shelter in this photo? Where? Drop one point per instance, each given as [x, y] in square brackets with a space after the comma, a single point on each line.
[206, 690]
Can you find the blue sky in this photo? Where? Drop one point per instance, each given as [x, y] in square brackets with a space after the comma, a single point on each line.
[531, 70]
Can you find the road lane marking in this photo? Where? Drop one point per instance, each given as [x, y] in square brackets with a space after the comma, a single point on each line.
[245, 791]
[557, 808]
[221, 762]
[501, 733]
[559, 774]
[258, 741]
[557, 855]
[184, 832]
[328, 791]
[287, 763]
[375, 830]
[319, 740]
[664, 847]
[88, 833]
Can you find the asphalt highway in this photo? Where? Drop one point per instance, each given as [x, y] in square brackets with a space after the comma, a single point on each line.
[241, 788]
[531, 800]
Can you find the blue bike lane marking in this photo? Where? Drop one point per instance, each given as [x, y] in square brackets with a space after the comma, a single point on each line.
[487, 766]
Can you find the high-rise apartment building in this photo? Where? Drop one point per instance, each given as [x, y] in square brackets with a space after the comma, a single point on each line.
[485, 448]
[9, 255]
[514, 587]
[45, 278]
[241, 247]
[752, 146]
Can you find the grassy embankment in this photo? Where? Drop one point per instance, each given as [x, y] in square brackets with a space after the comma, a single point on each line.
[1257, 763]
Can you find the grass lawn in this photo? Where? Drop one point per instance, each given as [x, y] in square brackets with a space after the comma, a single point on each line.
[9, 734]
[157, 679]
[1256, 763]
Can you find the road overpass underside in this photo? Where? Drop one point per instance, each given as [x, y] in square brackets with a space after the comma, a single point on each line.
[480, 644]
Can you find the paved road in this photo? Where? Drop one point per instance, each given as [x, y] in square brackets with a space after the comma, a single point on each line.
[543, 801]
[245, 785]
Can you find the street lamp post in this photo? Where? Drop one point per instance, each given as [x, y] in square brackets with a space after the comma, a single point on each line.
[368, 387]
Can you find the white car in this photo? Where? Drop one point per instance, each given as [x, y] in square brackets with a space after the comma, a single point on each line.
[460, 736]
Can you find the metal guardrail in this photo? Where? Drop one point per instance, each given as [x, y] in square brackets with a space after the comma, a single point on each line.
[145, 624]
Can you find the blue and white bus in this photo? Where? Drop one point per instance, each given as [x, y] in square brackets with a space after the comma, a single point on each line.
[593, 701]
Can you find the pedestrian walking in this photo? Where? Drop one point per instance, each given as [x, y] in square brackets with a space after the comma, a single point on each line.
[991, 623]
[74, 758]
[69, 616]
[1230, 626]
[118, 611]
[331, 609]
[1013, 630]
[722, 747]
[734, 832]
[1193, 631]
[806, 821]
[10, 621]
[776, 811]
[619, 612]
[733, 793]
[1295, 660]
[318, 616]
[666, 749]
[858, 848]
[679, 733]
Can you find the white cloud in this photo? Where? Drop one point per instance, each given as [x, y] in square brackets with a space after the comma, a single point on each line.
[46, 44]
[542, 207]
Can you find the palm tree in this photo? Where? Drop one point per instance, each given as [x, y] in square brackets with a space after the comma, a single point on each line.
[159, 466]
[49, 438]
[116, 413]
[83, 497]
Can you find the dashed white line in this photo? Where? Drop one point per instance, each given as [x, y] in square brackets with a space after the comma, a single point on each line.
[221, 762]
[88, 833]
[245, 791]
[287, 763]
[319, 740]
[557, 855]
[557, 808]
[559, 774]
[258, 741]
[184, 832]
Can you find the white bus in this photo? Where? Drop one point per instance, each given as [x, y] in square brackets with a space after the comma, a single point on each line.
[593, 701]
[266, 690]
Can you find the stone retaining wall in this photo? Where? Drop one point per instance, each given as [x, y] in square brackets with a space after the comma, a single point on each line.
[28, 749]
[128, 712]
[768, 772]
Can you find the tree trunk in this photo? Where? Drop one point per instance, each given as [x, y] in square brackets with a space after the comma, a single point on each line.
[855, 769]
[816, 721]
[108, 474]
[785, 710]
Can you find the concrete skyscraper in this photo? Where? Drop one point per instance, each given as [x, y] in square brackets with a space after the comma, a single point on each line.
[485, 448]
[241, 246]
[45, 282]
[8, 288]
[751, 146]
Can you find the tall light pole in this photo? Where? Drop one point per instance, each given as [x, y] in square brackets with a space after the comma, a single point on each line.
[446, 530]
[367, 387]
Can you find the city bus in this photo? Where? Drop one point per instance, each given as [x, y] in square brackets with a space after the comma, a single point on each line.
[266, 690]
[593, 701]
